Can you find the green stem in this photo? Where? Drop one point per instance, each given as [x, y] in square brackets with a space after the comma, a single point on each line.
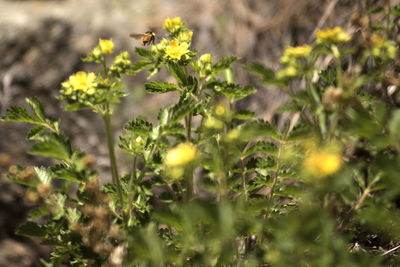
[388, 18]
[188, 121]
[244, 179]
[189, 185]
[335, 122]
[131, 183]
[339, 74]
[367, 3]
[113, 162]
[146, 166]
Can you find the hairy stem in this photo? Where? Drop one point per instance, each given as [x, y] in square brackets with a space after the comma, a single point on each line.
[113, 162]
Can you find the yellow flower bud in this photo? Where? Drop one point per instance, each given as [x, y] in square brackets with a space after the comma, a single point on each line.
[220, 109]
[205, 58]
[185, 36]
[106, 46]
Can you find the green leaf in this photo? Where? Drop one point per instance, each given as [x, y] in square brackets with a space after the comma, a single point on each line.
[53, 146]
[38, 212]
[376, 9]
[65, 172]
[139, 126]
[45, 175]
[31, 229]
[140, 65]
[36, 132]
[174, 129]
[299, 132]
[259, 128]
[224, 63]
[153, 71]
[261, 147]
[145, 53]
[181, 109]
[177, 72]
[264, 73]
[244, 115]
[30, 181]
[160, 87]
[37, 107]
[20, 114]
[233, 92]
[163, 116]
[394, 125]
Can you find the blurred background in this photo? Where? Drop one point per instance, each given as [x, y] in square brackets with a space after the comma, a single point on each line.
[42, 42]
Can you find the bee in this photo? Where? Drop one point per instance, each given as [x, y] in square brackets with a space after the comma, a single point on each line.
[147, 38]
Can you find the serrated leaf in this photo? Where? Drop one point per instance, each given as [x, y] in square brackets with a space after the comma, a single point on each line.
[20, 114]
[181, 109]
[16, 178]
[224, 63]
[244, 115]
[259, 128]
[233, 92]
[145, 53]
[299, 132]
[139, 126]
[45, 175]
[140, 65]
[64, 172]
[31, 229]
[160, 87]
[38, 212]
[163, 116]
[35, 132]
[37, 107]
[152, 71]
[53, 146]
[394, 125]
[169, 218]
[261, 147]
[174, 129]
[176, 71]
[264, 73]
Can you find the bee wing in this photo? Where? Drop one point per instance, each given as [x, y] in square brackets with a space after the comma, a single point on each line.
[136, 35]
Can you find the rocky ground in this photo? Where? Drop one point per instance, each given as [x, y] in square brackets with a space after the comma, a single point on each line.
[41, 43]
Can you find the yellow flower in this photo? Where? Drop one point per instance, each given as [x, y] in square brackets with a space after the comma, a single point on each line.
[322, 162]
[299, 51]
[106, 46]
[292, 53]
[66, 88]
[205, 58]
[335, 35]
[176, 50]
[180, 155]
[185, 36]
[83, 81]
[172, 25]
